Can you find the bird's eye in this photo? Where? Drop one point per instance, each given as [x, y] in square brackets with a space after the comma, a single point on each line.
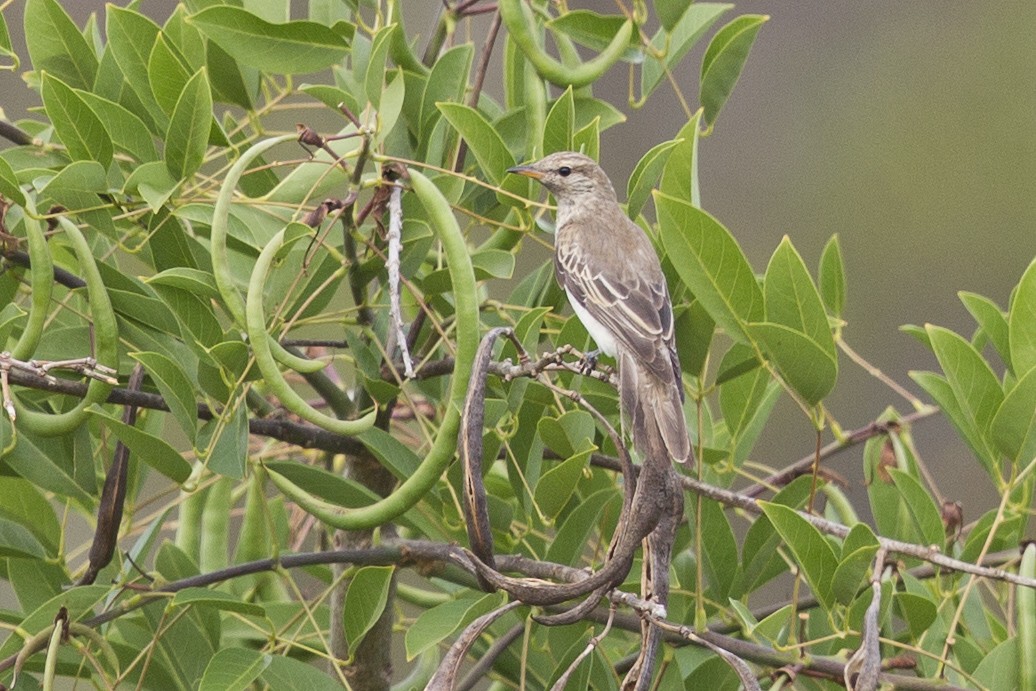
[564, 171]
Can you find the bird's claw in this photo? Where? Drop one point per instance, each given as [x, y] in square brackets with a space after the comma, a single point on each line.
[589, 362]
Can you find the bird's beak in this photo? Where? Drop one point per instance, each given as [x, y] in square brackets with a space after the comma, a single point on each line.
[527, 171]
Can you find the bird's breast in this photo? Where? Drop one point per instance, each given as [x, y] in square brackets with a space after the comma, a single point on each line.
[599, 332]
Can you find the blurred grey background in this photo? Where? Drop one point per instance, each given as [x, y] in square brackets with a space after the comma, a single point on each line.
[908, 128]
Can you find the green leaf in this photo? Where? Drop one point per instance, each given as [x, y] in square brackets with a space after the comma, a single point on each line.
[723, 61]
[1013, 428]
[587, 140]
[594, 30]
[939, 389]
[712, 265]
[216, 599]
[918, 611]
[811, 550]
[670, 11]
[130, 38]
[56, 45]
[331, 487]
[128, 132]
[568, 434]
[289, 48]
[364, 602]
[999, 668]
[189, 126]
[17, 542]
[439, 622]
[224, 443]
[558, 127]
[571, 539]
[832, 277]
[167, 73]
[175, 387]
[974, 384]
[645, 175]
[1022, 321]
[22, 502]
[288, 674]
[234, 669]
[993, 322]
[557, 485]
[9, 183]
[78, 127]
[921, 508]
[150, 449]
[446, 84]
[489, 149]
[747, 399]
[676, 41]
[719, 548]
[374, 78]
[850, 574]
[797, 334]
[680, 172]
[30, 461]
[154, 183]
[10, 57]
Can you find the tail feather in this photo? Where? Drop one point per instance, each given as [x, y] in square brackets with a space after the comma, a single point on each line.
[654, 411]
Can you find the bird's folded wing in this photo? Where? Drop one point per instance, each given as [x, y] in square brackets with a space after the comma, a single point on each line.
[634, 308]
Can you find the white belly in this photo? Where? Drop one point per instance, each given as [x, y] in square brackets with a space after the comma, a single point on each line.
[601, 335]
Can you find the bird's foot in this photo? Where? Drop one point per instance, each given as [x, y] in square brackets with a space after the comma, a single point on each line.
[589, 362]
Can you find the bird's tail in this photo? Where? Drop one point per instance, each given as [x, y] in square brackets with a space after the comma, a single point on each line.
[654, 411]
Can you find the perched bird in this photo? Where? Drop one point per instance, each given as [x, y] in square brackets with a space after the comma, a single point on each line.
[614, 281]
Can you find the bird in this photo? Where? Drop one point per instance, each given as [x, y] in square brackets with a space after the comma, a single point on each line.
[611, 274]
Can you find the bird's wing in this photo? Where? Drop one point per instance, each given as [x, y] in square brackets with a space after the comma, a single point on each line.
[634, 307]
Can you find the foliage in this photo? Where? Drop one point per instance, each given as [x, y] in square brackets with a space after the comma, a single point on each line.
[158, 218]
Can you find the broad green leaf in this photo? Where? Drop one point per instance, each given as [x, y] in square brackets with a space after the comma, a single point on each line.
[167, 73]
[719, 548]
[128, 132]
[999, 668]
[16, 542]
[9, 183]
[488, 148]
[30, 461]
[446, 84]
[759, 558]
[993, 322]
[680, 172]
[288, 674]
[568, 434]
[676, 41]
[216, 599]
[712, 265]
[670, 11]
[331, 487]
[793, 301]
[1013, 428]
[25, 504]
[288, 48]
[389, 450]
[940, 389]
[571, 539]
[1022, 322]
[436, 624]
[78, 600]
[796, 334]
[189, 126]
[223, 443]
[973, 382]
[175, 387]
[154, 182]
[56, 45]
[375, 73]
[587, 140]
[594, 31]
[723, 61]
[850, 574]
[9, 57]
[745, 400]
[811, 550]
[78, 127]
[231, 82]
[364, 602]
[918, 611]
[557, 130]
[645, 175]
[921, 508]
[147, 448]
[694, 329]
[557, 485]
[832, 277]
[234, 669]
[130, 38]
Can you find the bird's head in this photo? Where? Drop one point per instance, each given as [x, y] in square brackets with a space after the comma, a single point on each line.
[569, 176]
